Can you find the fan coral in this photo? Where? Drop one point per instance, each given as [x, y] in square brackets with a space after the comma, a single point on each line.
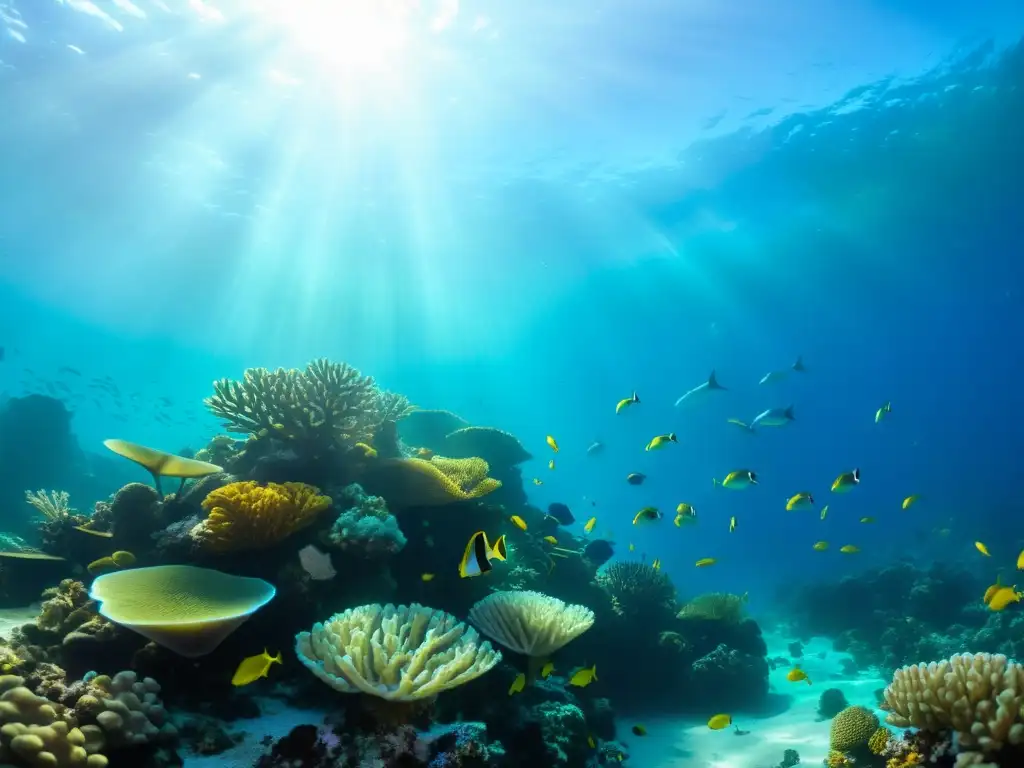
[852, 729]
[367, 527]
[402, 653]
[250, 516]
[440, 481]
[638, 589]
[328, 404]
[530, 623]
[497, 448]
[715, 606]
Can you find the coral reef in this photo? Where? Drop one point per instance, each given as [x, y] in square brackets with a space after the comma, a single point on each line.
[366, 527]
[639, 592]
[435, 482]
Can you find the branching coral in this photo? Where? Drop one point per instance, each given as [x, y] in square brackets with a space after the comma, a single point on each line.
[53, 505]
[437, 482]
[252, 516]
[367, 527]
[638, 589]
[715, 606]
[328, 404]
[399, 653]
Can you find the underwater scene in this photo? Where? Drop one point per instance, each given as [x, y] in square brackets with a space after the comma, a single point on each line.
[478, 384]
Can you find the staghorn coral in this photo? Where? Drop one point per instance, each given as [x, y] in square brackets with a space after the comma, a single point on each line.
[638, 590]
[437, 482]
[497, 448]
[530, 623]
[327, 404]
[250, 516]
[367, 527]
[715, 606]
[852, 729]
[398, 653]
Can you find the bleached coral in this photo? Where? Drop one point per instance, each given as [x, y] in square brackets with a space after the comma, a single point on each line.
[530, 623]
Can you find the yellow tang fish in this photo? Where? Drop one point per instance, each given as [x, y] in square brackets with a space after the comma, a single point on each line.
[553, 443]
[427, 577]
[626, 402]
[1003, 597]
[1020, 561]
[802, 500]
[796, 675]
[660, 441]
[982, 548]
[550, 539]
[704, 562]
[849, 549]
[517, 685]
[547, 669]
[846, 482]
[824, 511]
[910, 500]
[991, 591]
[820, 546]
[718, 722]
[583, 677]
[518, 522]
[590, 525]
[738, 480]
[867, 519]
[732, 524]
[254, 667]
[551, 464]
[646, 515]
[476, 560]
[882, 412]
[538, 481]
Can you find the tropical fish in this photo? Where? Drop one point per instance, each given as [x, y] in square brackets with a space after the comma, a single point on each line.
[660, 441]
[476, 560]
[518, 522]
[1020, 561]
[982, 548]
[547, 669]
[590, 741]
[701, 391]
[796, 675]
[882, 412]
[626, 402]
[685, 513]
[427, 576]
[561, 513]
[316, 563]
[253, 668]
[802, 500]
[590, 525]
[638, 730]
[846, 482]
[656, 565]
[636, 478]
[867, 519]
[551, 464]
[732, 524]
[738, 480]
[581, 678]
[632, 547]
[910, 500]
[517, 685]
[824, 511]
[552, 443]
[538, 481]
[773, 417]
[551, 540]
[849, 549]
[599, 552]
[646, 515]
[820, 546]
[991, 591]
[742, 425]
[718, 722]
[1003, 597]
[704, 562]
[595, 448]
[424, 453]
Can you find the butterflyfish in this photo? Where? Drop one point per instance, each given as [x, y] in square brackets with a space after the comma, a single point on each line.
[660, 441]
[656, 565]
[552, 443]
[910, 500]
[547, 669]
[802, 500]
[1002, 597]
[824, 511]
[253, 668]
[849, 549]
[796, 675]
[685, 510]
[846, 482]
[551, 540]
[647, 515]
[982, 548]
[638, 730]
[636, 478]
[732, 524]
[738, 480]
[518, 522]
[517, 685]
[590, 525]
[704, 562]
[773, 417]
[626, 402]
[476, 560]
[820, 546]
[551, 464]
[581, 678]
[882, 412]
[718, 722]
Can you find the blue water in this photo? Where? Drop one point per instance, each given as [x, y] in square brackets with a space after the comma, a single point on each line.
[525, 213]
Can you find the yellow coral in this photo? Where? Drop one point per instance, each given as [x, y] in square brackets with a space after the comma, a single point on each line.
[879, 741]
[434, 483]
[909, 760]
[852, 729]
[837, 760]
[251, 516]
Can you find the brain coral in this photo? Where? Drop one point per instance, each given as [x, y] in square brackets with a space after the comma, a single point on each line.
[852, 729]
[252, 516]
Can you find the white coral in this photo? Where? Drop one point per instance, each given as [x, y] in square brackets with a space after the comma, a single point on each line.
[530, 623]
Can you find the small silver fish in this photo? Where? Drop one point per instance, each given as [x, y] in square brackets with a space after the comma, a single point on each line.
[316, 563]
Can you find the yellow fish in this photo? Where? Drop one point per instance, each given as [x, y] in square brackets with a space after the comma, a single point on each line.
[547, 669]
[583, 677]
[1020, 561]
[660, 441]
[718, 722]
[991, 591]
[538, 481]
[626, 402]
[369, 451]
[639, 730]
[982, 548]
[704, 562]
[882, 412]
[254, 667]
[867, 519]
[518, 522]
[632, 546]
[552, 443]
[910, 500]
[646, 515]
[820, 546]
[551, 464]
[590, 742]
[802, 500]
[656, 565]
[685, 510]
[849, 549]
[1003, 597]
[517, 685]
[738, 480]
[476, 560]
[550, 539]
[732, 524]
[590, 525]
[796, 675]
[824, 511]
[846, 482]
[427, 577]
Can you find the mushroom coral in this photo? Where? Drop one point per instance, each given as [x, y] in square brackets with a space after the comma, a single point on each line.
[248, 515]
[433, 483]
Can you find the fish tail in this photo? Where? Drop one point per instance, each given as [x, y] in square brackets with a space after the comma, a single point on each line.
[593, 671]
[715, 481]
[789, 413]
[713, 381]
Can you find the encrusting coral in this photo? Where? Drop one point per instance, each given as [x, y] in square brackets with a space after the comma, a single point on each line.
[530, 623]
[248, 515]
[437, 482]
[398, 653]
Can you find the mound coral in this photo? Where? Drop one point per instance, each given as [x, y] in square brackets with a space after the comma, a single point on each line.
[497, 448]
[327, 404]
[398, 653]
[252, 516]
[638, 590]
[433, 483]
[367, 527]
[128, 710]
[186, 609]
[852, 729]
[530, 623]
[715, 606]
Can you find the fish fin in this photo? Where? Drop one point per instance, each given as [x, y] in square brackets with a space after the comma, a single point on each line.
[499, 551]
[593, 671]
[715, 481]
[789, 413]
[856, 475]
[713, 381]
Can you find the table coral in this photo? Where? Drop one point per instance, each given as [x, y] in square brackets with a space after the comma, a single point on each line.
[248, 515]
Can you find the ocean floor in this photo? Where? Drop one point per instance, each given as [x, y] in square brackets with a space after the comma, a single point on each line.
[11, 618]
[686, 743]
